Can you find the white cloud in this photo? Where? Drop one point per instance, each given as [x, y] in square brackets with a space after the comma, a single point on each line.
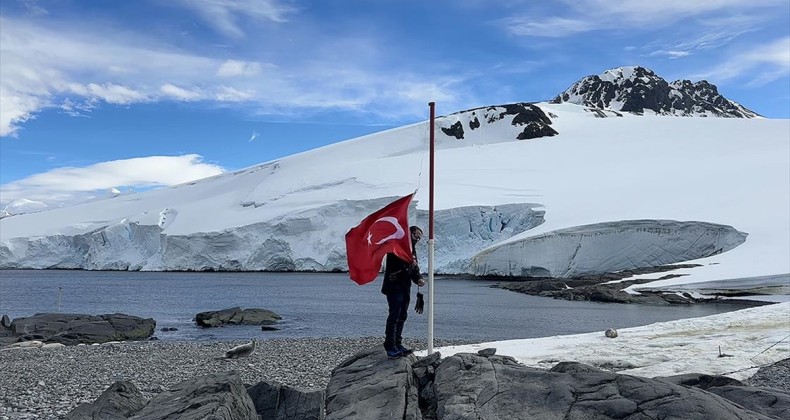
[671, 53]
[176, 92]
[60, 65]
[63, 186]
[607, 15]
[761, 64]
[115, 94]
[233, 68]
[548, 27]
[32, 7]
[224, 15]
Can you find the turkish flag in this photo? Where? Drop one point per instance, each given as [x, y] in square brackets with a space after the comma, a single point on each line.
[384, 231]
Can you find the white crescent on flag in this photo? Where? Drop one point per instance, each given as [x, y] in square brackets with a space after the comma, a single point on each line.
[399, 231]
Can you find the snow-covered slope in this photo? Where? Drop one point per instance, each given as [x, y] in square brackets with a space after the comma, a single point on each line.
[638, 90]
[542, 189]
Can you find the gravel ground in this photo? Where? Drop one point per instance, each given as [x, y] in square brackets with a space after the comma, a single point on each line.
[776, 376]
[48, 383]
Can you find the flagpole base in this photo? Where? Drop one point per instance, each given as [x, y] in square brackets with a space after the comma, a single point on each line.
[431, 244]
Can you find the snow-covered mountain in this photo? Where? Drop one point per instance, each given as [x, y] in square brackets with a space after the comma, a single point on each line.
[639, 90]
[544, 189]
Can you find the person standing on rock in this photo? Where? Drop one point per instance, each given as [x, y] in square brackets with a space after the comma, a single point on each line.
[398, 277]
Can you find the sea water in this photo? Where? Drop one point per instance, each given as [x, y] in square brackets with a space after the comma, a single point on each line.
[317, 305]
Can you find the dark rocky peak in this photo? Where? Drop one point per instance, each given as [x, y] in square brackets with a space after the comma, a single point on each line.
[637, 89]
[528, 120]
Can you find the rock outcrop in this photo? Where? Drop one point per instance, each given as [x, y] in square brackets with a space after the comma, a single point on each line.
[118, 402]
[237, 316]
[281, 402]
[368, 385]
[529, 119]
[72, 329]
[479, 386]
[637, 89]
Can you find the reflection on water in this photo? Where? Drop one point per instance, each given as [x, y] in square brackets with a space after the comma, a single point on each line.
[317, 305]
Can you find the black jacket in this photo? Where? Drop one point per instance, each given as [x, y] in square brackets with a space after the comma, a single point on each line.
[399, 275]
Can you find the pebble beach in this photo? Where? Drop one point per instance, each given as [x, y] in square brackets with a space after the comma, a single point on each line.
[48, 383]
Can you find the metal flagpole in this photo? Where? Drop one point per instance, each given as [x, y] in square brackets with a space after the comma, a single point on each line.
[431, 243]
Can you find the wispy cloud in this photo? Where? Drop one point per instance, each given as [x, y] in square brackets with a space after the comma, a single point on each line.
[254, 135]
[32, 7]
[224, 15]
[68, 185]
[235, 68]
[758, 65]
[671, 53]
[77, 68]
[577, 17]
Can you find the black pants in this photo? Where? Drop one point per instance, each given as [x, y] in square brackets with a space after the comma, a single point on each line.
[398, 303]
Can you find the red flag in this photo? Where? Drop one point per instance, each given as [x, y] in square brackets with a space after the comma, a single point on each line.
[384, 231]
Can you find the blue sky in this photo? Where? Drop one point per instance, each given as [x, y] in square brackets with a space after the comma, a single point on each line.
[97, 95]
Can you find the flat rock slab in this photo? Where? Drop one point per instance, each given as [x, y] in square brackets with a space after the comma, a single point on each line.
[219, 396]
[469, 386]
[237, 316]
[72, 329]
[118, 402]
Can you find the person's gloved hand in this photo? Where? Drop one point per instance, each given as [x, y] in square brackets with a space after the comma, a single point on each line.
[418, 307]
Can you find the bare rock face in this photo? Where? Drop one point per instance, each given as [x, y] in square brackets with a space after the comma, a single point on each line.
[219, 396]
[281, 402]
[118, 402]
[72, 329]
[469, 386]
[237, 316]
[530, 119]
[368, 385]
[772, 402]
[637, 89]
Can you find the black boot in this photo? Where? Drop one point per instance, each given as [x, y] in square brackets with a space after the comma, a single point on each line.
[392, 350]
[399, 340]
[404, 351]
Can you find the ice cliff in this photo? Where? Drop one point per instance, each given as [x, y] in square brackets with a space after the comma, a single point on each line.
[537, 189]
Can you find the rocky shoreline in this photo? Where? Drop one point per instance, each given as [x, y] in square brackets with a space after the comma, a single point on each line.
[598, 289]
[49, 383]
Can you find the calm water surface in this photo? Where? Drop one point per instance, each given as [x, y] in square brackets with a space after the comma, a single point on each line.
[317, 305]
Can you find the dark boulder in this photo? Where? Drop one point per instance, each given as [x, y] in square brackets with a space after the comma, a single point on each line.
[5, 322]
[72, 329]
[469, 386]
[768, 401]
[216, 396]
[771, 402]
[368, 385]
[281, 402]
[118, 402]
[456, 130]
[699, 380]
[236, 316]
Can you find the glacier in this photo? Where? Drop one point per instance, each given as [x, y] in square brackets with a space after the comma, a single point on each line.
[542, 189]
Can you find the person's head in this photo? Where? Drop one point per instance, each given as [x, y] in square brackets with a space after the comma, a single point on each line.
[416, 234]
